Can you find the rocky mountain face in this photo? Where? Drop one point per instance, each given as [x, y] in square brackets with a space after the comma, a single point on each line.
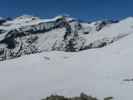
[27, 34]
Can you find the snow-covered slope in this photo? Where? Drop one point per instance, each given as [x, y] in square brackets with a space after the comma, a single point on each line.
[98, 72]
[27, 34]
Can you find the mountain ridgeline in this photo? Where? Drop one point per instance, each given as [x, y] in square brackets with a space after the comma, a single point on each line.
[27, 34]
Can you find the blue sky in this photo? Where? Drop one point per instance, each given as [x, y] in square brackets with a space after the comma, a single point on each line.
[82, 9]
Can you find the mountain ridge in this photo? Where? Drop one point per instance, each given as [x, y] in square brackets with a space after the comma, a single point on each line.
[28, 34]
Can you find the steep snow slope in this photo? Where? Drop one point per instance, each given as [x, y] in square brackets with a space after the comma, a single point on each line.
[98, 72]
[26, 35]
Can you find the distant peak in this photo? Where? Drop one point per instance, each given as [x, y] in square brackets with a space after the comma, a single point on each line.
[1, 18]
[66, 17]
[63, 16]
[27, 17]
[128, 19]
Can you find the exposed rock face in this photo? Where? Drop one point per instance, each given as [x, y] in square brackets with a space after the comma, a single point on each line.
[27, 35]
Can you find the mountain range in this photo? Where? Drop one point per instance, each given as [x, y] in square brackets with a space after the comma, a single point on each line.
[65, 56]
[27, 34]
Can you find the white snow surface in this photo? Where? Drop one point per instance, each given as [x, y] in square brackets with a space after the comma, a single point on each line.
[97, 72]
